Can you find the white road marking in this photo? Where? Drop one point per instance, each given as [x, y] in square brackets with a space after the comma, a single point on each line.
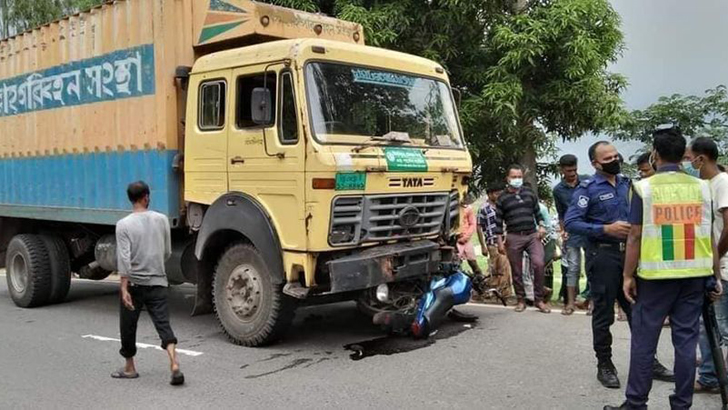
[142, 345]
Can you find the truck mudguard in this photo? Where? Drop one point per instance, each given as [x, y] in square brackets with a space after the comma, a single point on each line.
[241, 213]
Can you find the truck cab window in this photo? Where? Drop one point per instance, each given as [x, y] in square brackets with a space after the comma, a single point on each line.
[289, 125]
[245, 87]
[212, 105]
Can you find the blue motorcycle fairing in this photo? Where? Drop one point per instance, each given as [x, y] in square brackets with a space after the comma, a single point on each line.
[443, 294]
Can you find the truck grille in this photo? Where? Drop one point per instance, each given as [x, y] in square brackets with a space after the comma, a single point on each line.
[377, 218]
[454, 210]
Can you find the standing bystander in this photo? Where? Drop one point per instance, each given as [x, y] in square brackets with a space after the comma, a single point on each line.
[645, 166]
[468, 224]
[500, 269]
[572, 244]
[701, 160]
[518, 208]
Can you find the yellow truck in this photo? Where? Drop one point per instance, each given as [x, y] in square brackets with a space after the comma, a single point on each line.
[295, 164]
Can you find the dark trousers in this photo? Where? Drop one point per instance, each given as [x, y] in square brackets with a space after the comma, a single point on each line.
[604, 267]
[682, 300]
[154, 298]
[515, 246]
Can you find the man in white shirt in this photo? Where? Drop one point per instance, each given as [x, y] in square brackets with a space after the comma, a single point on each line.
[701, 161]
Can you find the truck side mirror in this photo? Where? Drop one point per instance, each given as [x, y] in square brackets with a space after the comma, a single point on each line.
[260, 104]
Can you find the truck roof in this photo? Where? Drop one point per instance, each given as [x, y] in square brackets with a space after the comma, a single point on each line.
[335, 50]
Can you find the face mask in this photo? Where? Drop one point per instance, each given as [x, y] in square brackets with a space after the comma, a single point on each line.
[612, 168]
[690, 169]
[516, 182]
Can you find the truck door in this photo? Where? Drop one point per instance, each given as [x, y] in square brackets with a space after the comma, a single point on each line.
[265, 153]
[206, 137]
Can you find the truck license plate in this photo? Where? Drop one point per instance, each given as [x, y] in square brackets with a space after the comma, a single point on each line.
[350, 181]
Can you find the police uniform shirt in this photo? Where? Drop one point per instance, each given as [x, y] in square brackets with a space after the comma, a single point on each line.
[596, 202]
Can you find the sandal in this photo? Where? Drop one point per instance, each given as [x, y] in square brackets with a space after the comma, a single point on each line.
[178, 378]
[543, 307]
[568, 311]
[121, 374]
[700, 388]
[520, 307]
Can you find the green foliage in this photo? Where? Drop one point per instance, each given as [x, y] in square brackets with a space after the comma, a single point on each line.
[21, 15]
[547, 79]
[697, 116]
[528, 76]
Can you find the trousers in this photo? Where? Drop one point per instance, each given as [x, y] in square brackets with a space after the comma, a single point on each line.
[516, 245]
[154, 299]
[604, 267]
[682, 300]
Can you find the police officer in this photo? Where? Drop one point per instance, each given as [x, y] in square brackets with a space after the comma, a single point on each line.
[599, 211]
[671, 238]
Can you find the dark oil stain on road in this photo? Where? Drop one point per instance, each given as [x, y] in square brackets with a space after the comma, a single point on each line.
[321, 360]
[390, 345]
[275, 356]
[289, 366]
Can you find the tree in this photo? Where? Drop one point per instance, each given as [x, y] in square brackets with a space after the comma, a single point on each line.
[697, 116]
[530, 72]
[21, 15]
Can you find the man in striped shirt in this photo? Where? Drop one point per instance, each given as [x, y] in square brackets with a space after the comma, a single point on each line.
[518, 209]
[500, 270]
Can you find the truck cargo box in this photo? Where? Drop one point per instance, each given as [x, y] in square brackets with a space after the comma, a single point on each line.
[90, 103]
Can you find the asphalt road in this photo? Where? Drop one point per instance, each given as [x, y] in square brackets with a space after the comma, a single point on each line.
[506, 361]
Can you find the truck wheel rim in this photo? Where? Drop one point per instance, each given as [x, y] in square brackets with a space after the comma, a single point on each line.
[19, 273]
[243, 292]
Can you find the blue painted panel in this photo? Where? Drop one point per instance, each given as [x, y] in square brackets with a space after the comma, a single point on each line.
[121, 74]
[86, 187]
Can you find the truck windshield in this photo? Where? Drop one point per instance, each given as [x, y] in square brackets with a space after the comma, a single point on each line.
[353, 105]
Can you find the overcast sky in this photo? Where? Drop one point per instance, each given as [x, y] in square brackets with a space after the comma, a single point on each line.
[673, 46]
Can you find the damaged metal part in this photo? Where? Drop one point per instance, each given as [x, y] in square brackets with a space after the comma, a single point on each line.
[383, 264]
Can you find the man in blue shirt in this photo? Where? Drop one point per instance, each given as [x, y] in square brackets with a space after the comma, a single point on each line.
[572, 244]
[599, 212]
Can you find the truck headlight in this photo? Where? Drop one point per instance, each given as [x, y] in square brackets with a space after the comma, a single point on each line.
[383, 292]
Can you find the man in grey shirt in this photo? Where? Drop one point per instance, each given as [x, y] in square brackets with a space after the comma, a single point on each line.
[144, 244]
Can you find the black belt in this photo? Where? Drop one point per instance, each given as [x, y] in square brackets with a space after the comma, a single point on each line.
[617, 246]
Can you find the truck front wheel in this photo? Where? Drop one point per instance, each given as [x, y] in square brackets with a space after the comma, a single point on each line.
[252, 310]
[28, 271]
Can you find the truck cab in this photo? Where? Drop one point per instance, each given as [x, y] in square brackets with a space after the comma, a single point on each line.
[316, 168]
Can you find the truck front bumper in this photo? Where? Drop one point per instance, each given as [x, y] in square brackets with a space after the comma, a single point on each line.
[382, 264]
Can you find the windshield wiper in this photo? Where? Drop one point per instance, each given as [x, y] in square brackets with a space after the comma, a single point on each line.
[392, 137]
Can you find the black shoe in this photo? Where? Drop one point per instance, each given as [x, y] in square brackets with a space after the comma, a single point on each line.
[624, 406]
[662, 373]
[607, 376]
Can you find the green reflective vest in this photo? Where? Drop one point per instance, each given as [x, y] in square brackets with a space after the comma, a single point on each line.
[676, 227]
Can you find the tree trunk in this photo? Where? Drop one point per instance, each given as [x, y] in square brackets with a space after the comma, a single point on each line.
[4, 29]
[519, 5]
[528, 161]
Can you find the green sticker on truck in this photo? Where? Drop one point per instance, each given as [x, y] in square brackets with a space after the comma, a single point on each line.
[405, 159]
[351, 181]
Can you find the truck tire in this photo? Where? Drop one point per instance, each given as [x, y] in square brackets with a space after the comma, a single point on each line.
[28, 271]
[60, 265]
[251, 309]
